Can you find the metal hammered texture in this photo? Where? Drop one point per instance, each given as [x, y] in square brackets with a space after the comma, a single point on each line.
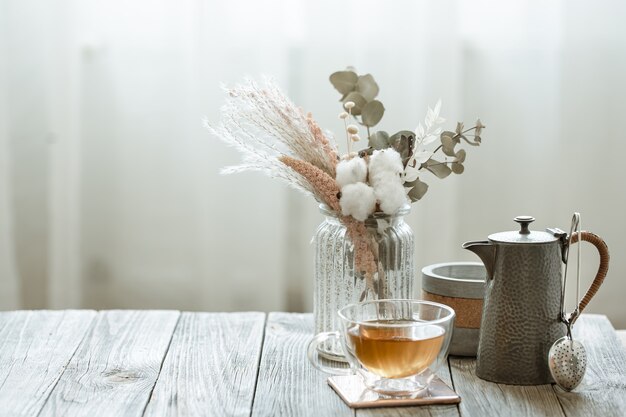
[521, 313]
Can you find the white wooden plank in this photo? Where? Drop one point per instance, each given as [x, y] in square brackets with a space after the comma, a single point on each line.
[483, 398]
[287, 384]
[211, 366]
[621, 334]
[116, 366]
[603, 390]
[35, 347]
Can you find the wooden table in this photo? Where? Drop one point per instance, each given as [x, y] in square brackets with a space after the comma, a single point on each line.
[167, 363]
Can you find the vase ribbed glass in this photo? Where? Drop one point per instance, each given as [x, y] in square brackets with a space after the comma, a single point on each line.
[336, 282]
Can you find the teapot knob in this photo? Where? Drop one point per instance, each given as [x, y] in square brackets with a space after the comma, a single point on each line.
[524, 221]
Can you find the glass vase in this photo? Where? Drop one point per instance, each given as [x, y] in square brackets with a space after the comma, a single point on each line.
[337, 284]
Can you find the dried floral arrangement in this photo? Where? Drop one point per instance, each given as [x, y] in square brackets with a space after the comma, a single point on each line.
[280, 139]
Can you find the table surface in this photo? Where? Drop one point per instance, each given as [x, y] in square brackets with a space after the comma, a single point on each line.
[167, 363]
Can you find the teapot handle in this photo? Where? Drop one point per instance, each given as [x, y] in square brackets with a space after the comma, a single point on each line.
[603, 269]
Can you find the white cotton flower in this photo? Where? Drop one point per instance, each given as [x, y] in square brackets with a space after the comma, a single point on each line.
[385, 167]
[357, 200]
[350, 171]
[391, 196]
[384, 178]
[385, 161]
[349, 105]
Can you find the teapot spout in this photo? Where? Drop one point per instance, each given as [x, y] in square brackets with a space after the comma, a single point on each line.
[486, 251]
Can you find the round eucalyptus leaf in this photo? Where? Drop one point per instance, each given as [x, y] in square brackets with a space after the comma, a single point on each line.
[398, 136]
[457, 168]
[440, 169]
[460, 156]
[372, 113]
[367, 87]
[418, 189]
[344, 81]
[404, 145]
[452, 135]
[379, 140]
[358, 100]
[447, 145]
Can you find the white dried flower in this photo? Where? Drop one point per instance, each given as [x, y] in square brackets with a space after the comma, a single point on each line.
[355, 138]
[352, 129]
[391, 196]
[343, 115]
[349, 105]
[386, 161]
[385, 176]
[350, 171]
[425, 135]
[357, 200]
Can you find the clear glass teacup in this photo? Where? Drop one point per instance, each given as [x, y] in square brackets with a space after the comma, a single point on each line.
[396, 346]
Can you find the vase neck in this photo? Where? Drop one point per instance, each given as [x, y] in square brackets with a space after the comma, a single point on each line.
[373, 220]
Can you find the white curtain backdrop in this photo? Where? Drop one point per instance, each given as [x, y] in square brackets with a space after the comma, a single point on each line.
[110, 195]
[9, 290]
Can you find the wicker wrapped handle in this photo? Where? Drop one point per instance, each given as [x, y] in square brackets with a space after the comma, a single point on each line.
[603, 269]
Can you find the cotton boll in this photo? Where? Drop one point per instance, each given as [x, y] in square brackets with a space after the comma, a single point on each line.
[391, 196]
[384, 177]
[351, 171]
[385, 160]
[357, 200]
[387, 181]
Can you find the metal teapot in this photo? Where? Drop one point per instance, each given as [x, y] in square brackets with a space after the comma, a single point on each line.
[522, 306]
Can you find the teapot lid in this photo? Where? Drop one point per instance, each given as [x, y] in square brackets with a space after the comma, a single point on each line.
[524, 235]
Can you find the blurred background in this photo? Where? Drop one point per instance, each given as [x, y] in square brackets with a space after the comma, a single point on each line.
[110, 193]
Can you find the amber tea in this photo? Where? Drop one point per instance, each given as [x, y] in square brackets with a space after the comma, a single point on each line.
[395, 349]
[394, 346]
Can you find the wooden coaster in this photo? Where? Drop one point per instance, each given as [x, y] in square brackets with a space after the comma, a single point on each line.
[354, 393]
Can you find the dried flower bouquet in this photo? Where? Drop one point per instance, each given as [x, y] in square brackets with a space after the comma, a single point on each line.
[280, 139]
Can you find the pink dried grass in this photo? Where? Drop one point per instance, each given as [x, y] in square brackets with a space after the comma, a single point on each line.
[324, 186]
[323, 141]
[364, 258]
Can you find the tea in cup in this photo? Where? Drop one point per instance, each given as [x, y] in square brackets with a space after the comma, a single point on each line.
[396, 346]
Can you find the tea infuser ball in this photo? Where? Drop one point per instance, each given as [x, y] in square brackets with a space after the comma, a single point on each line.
[568, 362]
[567, 358]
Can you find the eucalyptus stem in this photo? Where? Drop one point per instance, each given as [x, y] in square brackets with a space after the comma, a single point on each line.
[434, 152]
